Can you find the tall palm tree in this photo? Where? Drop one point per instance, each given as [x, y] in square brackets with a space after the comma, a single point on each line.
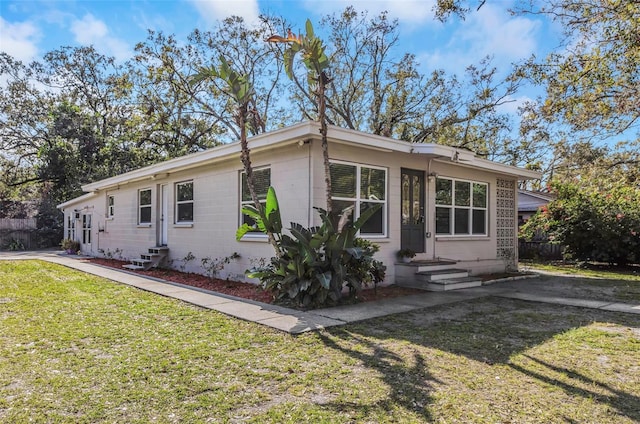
[316, 61]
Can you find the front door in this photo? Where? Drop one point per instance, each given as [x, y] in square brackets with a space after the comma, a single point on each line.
[412, 234]
[164, 215]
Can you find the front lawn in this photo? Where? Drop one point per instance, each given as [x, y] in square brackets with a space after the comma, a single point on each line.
[78, 348]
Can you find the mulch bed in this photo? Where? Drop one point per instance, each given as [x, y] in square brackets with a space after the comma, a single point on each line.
[245, 290]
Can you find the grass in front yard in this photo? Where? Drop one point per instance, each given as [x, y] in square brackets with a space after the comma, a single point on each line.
[77, 348]
[628, 273]
[594, 281]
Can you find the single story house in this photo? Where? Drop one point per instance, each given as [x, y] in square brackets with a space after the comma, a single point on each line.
[451, 207]
[529, 202]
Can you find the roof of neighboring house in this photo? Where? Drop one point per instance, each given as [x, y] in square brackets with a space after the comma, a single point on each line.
[530, 201]
[301, 132]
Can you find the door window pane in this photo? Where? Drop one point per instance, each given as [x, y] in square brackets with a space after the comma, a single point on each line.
[406, 201]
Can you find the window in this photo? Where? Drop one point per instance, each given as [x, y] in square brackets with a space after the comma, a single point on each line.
[461, 207]
[360, 187]
[262, 181]
[110, 206]
[86, 229]
[144, 206]
[71, 226]
[184, 202]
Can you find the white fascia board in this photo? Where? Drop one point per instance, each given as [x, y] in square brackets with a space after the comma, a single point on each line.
[65, 205]
[501, 168]
[223, 152]
[371, 141]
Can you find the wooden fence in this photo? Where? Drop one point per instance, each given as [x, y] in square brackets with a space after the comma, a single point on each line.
[539, 249]
[18, 234]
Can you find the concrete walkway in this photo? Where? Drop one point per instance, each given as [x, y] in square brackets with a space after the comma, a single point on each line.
[294, 321]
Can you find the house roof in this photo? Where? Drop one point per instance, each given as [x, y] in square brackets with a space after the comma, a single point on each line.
[299, 133]
[530, 201]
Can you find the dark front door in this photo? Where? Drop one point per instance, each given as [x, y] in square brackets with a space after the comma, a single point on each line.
[412, 228]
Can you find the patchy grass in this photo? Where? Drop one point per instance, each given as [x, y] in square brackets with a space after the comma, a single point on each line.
[627, 273]
[596, 281]
[77, 348]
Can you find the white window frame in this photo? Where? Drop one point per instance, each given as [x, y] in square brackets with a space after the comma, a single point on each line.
[452, 208]
[86, 228]
[184, 202]
[149, 205]
[243, 203]
[358, 200]
[71, 226]
[111, 201]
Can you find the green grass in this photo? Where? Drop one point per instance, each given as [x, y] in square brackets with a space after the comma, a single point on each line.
[629, 273]
[77, 348]
[593, 281]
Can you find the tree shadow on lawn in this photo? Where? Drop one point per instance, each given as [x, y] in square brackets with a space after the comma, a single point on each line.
[490, 331]
[580, 287]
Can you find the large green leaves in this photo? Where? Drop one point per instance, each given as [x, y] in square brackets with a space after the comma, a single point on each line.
[315, 263]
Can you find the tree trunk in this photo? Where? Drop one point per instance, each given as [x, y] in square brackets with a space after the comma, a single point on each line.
[245, 157]
[325, 145]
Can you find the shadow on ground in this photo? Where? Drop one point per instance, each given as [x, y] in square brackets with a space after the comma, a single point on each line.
[488, 331]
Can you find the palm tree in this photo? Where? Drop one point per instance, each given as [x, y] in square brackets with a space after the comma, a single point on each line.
[316, 61]
[241, 91]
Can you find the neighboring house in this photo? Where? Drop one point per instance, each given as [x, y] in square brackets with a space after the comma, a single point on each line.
[529, 202]
[442, 202]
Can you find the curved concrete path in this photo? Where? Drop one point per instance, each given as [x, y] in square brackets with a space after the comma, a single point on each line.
[294, 321]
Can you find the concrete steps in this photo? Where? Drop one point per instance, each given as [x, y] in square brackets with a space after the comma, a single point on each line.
[152, 259]
[434, 276]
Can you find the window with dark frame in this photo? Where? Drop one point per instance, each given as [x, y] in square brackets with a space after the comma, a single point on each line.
[461, 207]
[184, 202]
[144, 206]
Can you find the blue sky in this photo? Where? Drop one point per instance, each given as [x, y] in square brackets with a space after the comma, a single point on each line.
[28, 29]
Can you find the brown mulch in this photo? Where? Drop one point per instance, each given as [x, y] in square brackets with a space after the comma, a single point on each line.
[245, 290]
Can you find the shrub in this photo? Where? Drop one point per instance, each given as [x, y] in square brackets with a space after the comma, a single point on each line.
[593, 226]
[315, 264]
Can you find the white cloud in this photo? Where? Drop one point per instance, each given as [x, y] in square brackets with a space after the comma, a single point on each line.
[92, 31]
[491, 31]
[513, 103]
[212, 10]
[19, 39]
